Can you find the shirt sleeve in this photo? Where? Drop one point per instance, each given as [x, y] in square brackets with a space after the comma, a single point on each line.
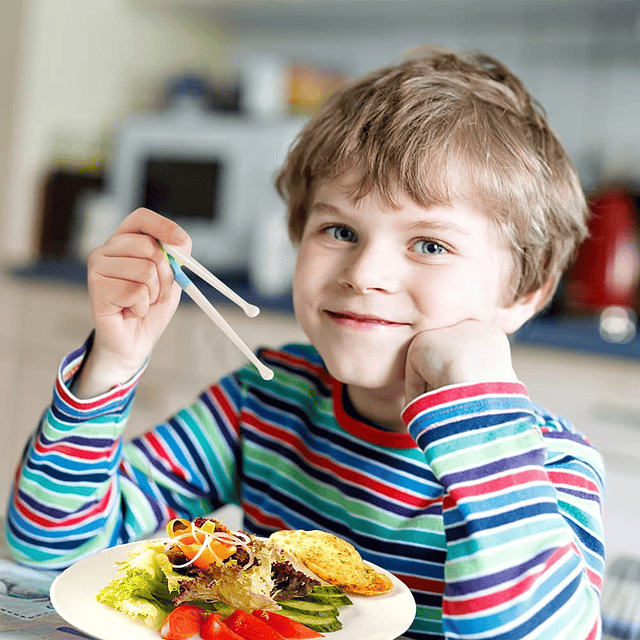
[522, 514]
[80, 488]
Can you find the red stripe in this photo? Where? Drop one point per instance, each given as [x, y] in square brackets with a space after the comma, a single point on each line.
[86, 405]
[264, 519]
[460, 392]
[425, 585]
[594, 578]
[327, 464]
[76, 452]
[226, 408]
[517, 479]
[572, 480]
[482, 603]
[164, 454]
[70, 521]
[299, 362]
[367, 432]
[593, 634]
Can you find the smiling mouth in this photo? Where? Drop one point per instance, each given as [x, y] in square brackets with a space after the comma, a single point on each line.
[355, 320]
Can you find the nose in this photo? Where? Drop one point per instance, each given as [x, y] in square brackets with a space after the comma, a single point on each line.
[370, 268]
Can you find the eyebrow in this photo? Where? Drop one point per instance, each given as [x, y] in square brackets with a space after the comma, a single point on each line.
[328, 208]
[439, 225]
[417, 226]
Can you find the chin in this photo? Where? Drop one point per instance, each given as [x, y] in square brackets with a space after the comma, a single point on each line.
[370, 371]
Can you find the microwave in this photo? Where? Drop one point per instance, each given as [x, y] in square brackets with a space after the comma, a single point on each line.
[213, 174]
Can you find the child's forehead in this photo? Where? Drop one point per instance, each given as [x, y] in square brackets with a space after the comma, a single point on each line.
[348, 190]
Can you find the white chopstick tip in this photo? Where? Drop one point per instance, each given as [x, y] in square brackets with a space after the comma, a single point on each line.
[251, 310]
[266, 373]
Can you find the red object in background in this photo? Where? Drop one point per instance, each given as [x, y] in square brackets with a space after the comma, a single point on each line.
[607, 267]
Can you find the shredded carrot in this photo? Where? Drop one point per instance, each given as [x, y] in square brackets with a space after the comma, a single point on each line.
[200, 544]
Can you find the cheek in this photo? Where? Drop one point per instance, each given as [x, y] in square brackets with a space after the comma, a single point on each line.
[308, 279]
[302, 275]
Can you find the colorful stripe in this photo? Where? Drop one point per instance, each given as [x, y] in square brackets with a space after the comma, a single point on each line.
[488, 508]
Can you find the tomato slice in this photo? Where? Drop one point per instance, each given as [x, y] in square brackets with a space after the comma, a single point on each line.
[183, 622]
[250, 627]
[214, 628]
[287, 628]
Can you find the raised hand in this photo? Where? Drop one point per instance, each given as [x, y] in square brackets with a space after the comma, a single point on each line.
[133, 297]
[470, 351]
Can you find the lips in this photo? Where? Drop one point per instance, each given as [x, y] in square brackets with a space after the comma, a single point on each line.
[361, 321]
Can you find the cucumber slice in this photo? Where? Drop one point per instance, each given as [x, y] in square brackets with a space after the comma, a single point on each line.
[329, 594]
[321, 624]
[314, 609]
[337, 601]
[327, 589]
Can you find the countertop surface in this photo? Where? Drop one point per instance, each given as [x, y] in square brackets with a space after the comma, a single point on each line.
[566, 332]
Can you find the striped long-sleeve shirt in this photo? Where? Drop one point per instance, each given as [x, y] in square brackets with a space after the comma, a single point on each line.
[488, 507]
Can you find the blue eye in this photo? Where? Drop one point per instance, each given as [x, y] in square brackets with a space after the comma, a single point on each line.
[341, 233]
[429, 247]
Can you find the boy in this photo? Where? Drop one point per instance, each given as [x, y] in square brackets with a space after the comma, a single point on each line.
[434, 211]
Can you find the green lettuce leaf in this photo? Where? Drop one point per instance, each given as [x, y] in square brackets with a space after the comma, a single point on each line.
[146, 587]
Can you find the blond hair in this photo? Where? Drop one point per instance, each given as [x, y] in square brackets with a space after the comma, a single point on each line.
[440, 126]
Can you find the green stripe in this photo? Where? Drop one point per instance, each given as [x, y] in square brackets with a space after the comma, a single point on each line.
[100, 426]
[214, 449]
[424, 530]
[45, 560]
[504, 448]
[477, 437]
[428, 620]
[40, 484]
[490, 552]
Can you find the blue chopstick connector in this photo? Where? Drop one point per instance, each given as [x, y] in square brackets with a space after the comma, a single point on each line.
[179, 275]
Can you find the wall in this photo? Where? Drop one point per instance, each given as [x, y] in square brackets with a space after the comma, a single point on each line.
[581, 60]
[83, 65]
[10, 25]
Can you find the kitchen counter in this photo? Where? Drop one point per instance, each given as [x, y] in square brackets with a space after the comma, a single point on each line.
[580, 334]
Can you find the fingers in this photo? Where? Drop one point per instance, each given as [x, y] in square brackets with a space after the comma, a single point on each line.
[145, 221]
[117, 295]
[136, 257]
[130, 271]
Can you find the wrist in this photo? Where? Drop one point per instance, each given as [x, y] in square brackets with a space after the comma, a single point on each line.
[103, 371]
[472, 374]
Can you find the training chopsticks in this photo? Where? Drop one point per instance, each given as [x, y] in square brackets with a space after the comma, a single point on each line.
[176, 258]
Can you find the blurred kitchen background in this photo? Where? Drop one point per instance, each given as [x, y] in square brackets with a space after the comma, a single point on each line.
[188, 106]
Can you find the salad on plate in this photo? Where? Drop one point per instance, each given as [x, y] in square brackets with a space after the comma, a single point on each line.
[228, 585]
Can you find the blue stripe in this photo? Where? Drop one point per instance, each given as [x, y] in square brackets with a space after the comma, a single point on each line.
[353, 491]
[534, 457]
[78, 473]
[276, 409]
[519, 514]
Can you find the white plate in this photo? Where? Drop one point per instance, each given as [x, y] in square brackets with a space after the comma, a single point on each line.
[73, 595]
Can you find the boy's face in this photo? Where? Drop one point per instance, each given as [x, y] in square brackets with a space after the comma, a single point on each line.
[369, 278]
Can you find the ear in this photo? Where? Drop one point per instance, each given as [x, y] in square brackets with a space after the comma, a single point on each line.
[512, 317]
